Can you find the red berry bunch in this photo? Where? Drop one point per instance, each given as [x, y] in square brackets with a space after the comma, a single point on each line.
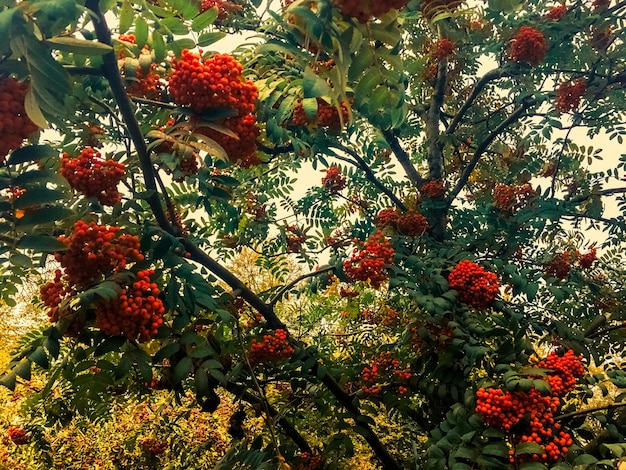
[136, 313]
[334, 181]
[369, 263]
[411, 224]
[327, 115]
[569, 95]
[557, 12]
[53, 293]
[382, 370]
[511, 198]
[271, 348]
[363, 10]
[93, 176]
[295, 238]
[17, 435]
[385, 316]
[601, 38]
[586, 261]
[529, 45]
[476, 287]
[94, 250]
[242, 149]
[434, 189]
[443, 48]
[560, 266]
[154, 446]
[212, 83]
[146, 84]
[310, 461]
[15, 125]
[299, 117]
[563, 371]
[224, 8]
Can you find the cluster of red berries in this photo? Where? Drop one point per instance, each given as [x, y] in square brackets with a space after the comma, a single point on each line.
[224, 8]
[136, 313]
[563, 371]
[295, 238]
[243, 148]
[146, 84]
[569, 95]
[334, 181]
[17, 435]
[511, 198]
[434, 189]
[601, 37]
[476, 286]
[384, 369]
[154, 446]
[15, 125]
[385, 316]
[362, 10]
[212, 83]
[556, 12]
[532, 410]
[560, 266]
[94, 250]
[94, 176]
[369, 263]
[442, 48]
[529, 45]
[271, 348]
[411, 224]
[327, 115]
[310, 461]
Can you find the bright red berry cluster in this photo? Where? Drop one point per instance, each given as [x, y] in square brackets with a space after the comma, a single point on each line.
[569, 95]
[146, 84]
[154, 446]
[334, 181]
[511, 198]
[384, 316]
[17, 435]
[136, 313]
[212, 83]
[560, 266]
[586, 260]
[369, 263]
[476, 286]
[434, 189]
[529, 45]
[242, 149]
[363, 10]
[384, 369]
[411, 224]
[556, 12]
[271, 348]
[531, 413]
[443, 48]
[15, 125]
[94, 176]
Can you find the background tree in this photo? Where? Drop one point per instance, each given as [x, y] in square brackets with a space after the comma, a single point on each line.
[472, 272]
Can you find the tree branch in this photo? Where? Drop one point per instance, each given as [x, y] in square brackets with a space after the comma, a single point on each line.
[574, 414]
[464, 178]
[370, 175]
[403, 158]
[435, 154]
[286, 287]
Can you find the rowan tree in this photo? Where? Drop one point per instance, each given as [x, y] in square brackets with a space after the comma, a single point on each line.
[448, 174]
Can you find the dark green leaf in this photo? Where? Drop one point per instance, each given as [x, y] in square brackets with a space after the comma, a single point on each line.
[204, 19]
[31, 153]
[79, 46]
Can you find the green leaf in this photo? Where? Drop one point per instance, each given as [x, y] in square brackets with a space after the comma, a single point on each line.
[206, 39]
[175, 26]
[38, 196]
[141, 32]
[532, 466]
[22, 369]
[201, 382]
[39, 357]
[529, 448]
[79, 46]
[204, 19]
[33, 111]
[313, 85]
[158, 45]
[41, 243]
[127, 14]
[45, 215]
[585, 459]
[496, 449]
[21, 260]
[31, 153]
[9, 380]
[182, 369]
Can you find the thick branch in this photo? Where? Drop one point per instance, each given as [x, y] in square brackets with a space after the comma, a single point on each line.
[403, 158]
[574, 414]
[371, 176]
[435, 154]
[478, 88]
[464, 178]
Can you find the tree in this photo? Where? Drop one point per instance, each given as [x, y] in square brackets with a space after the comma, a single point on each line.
[472, 275]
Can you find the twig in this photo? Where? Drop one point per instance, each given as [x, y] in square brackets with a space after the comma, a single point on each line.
[286, 287]
[573, 414]
[403, 158]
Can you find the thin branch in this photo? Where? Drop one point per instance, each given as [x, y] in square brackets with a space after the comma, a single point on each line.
[574, 414]
[482, 147]
[403, 158]
[435, 154]
[286, 287]
[370, 175]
